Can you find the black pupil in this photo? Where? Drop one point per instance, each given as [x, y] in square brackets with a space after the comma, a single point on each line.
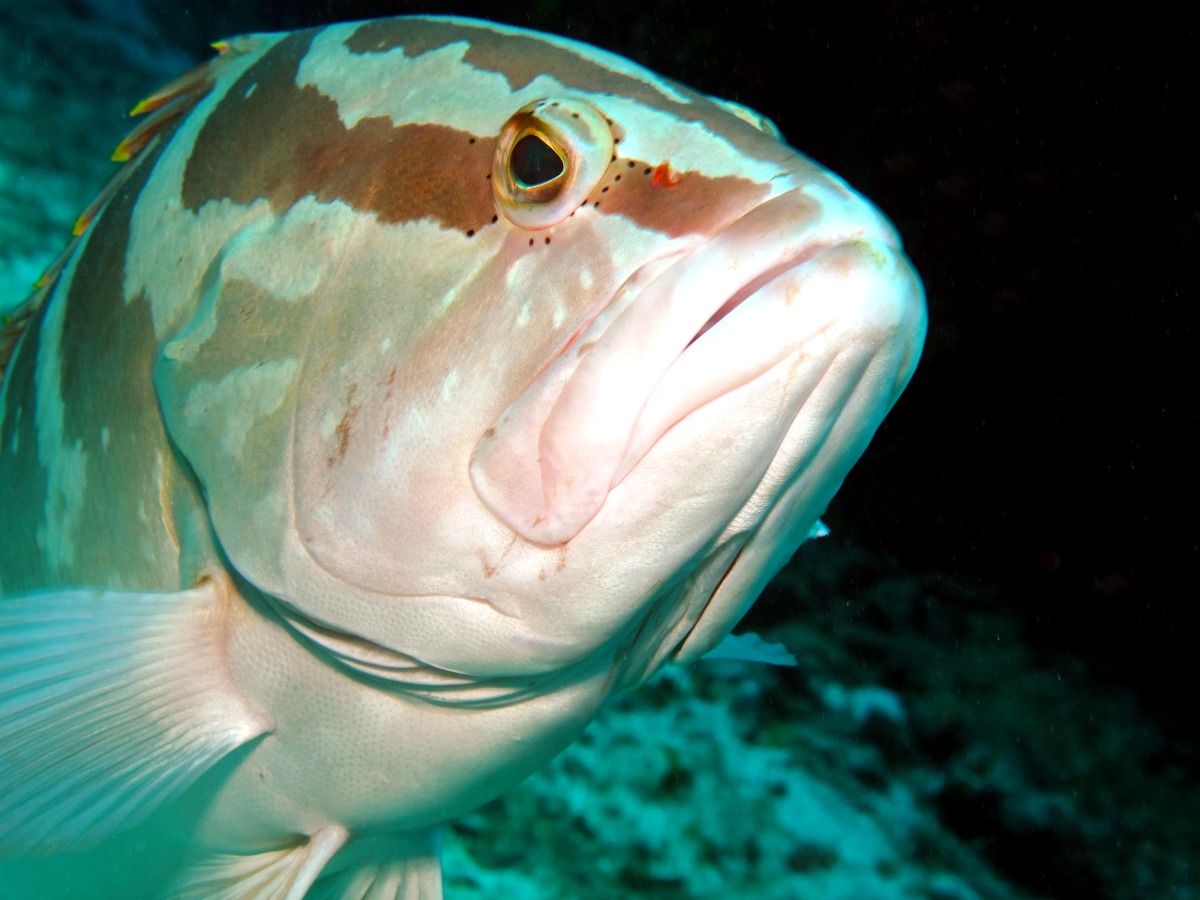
[533, 162]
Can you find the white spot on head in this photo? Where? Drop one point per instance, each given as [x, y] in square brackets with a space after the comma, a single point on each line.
[450, 296]
[329, 423]
[448, 384]
[245, 396]
[416, 420]
[287, 257]
[323, 516]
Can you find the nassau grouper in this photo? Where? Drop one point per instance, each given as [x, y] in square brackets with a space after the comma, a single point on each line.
[415, 385]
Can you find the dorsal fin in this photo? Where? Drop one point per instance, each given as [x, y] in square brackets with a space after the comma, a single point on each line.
[169, 103]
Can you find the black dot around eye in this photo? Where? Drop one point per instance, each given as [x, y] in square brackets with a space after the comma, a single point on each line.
[533, 162]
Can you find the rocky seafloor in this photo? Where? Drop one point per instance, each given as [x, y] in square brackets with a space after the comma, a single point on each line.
[921, 747]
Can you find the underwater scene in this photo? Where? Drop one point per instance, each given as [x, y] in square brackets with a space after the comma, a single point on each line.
[631, 450]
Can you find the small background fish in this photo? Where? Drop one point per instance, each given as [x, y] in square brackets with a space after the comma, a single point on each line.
[1033, 485]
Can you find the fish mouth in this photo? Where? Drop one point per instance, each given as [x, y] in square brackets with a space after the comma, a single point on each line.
[687, 331]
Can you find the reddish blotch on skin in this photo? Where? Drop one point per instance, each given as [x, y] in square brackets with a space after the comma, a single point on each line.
[665, 176]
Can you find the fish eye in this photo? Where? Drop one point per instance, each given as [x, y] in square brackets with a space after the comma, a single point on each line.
[533, 162]
[550, 155]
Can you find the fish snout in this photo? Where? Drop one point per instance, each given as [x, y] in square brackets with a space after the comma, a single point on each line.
[805, 277]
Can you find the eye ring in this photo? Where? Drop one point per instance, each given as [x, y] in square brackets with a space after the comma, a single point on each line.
[550, 156]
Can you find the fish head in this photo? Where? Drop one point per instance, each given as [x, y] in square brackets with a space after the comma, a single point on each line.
[511, 352]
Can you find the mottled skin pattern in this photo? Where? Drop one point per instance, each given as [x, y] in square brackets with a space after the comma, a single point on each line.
[392, 465]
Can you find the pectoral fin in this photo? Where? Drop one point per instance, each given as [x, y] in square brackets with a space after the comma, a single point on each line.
[385, 867]
[284, 874]
[324, 866]
[111, 704]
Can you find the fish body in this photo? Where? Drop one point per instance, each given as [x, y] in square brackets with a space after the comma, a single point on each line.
[418, 384]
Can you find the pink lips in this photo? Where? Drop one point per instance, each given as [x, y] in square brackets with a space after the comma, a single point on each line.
[714, 320]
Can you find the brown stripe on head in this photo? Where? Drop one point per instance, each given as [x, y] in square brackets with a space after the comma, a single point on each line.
[269, 138]
[683, 203]
[101, 333]
[521, 58]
